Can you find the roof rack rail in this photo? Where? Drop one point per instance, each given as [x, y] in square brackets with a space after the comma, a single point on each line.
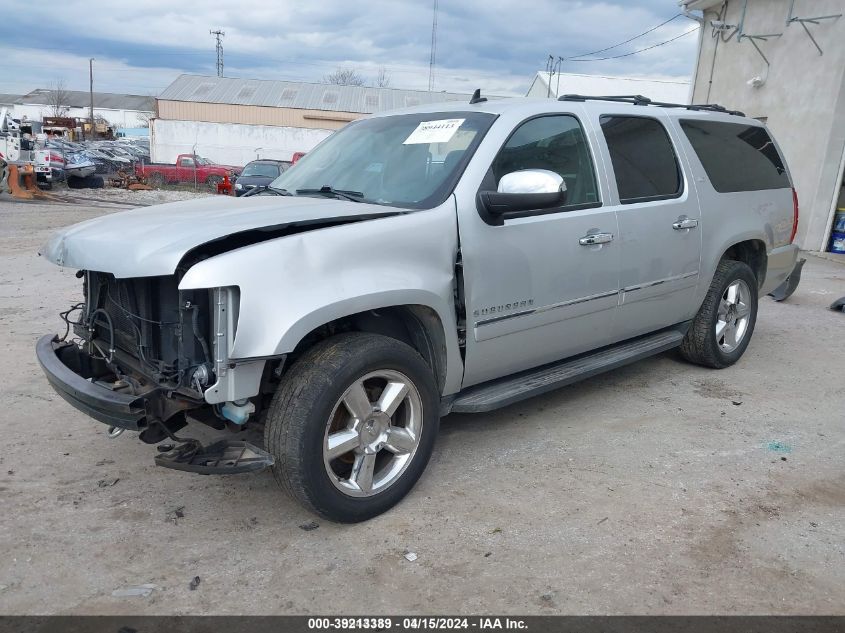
[644, 101]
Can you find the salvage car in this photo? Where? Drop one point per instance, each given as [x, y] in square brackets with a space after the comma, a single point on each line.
[188, 168]
[259, 173]
[448, 258]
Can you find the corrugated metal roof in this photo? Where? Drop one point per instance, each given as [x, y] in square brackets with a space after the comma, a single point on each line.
[298, 94]
[82, 99]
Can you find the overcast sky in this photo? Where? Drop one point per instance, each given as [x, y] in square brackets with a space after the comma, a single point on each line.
[497, 45]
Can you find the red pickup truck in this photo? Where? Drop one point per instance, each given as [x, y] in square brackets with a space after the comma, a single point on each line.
[188, 168]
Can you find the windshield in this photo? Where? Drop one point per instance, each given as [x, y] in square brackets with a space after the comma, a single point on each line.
[406, 160]
[265, 170]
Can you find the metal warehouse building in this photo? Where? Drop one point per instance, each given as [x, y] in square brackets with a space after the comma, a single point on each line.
[233, 121]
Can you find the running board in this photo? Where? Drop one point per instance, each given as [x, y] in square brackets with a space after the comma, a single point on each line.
[504, 391]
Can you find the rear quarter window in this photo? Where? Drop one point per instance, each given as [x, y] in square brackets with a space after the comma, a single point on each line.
[736, 157]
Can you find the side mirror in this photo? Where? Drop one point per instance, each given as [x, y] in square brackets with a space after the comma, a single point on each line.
[520, 191]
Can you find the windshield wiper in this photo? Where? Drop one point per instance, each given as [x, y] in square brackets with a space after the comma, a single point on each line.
[273, 190]
[354, 196]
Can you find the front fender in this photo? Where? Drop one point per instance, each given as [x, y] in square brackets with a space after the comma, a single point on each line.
[291, 285]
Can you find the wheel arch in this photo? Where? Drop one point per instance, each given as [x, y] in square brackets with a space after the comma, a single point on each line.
[751, 252]
[417, 325]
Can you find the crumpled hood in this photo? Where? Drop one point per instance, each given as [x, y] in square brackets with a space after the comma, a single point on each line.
[151, 241]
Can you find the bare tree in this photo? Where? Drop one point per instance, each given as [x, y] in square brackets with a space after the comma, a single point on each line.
[344, 77]
[143, 119]
[382, 80]
[58, 99]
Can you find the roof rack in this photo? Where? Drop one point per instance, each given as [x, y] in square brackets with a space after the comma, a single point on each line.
[644, 101]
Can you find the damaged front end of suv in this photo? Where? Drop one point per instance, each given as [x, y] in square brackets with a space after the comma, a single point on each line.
[140, 354]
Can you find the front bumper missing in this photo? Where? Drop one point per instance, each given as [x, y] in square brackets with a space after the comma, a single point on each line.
[71, 372]
[68, 371]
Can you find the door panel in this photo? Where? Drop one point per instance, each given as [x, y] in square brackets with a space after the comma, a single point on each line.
[659, 225]
[533, 293]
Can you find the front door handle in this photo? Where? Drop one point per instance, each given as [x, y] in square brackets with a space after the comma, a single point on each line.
[596, 238]
[685, 223]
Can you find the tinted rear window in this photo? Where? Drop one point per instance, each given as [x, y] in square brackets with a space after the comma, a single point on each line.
[643, 158]
[736, 157]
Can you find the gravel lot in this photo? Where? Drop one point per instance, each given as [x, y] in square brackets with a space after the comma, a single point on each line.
[659, 488]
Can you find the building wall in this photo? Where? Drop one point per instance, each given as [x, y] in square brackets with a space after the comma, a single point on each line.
[254, 115]
[120, 118]
[229, 143]
[802, 98]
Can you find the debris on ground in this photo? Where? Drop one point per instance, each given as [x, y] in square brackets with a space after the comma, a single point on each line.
[736, 403]
[602, 521]
[134, 591]
[118, 196]
[176, 514]
[410, 556]
[496, 530]
[104, 462]
[10, 472]
[488, 554]
[779, 447]
[107, 483]
[311, 525]
[195, 582]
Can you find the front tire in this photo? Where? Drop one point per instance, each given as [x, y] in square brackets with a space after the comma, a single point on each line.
[722, 329]
[353, 425]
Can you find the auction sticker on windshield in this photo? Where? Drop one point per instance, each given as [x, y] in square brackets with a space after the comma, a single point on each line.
[434, 131]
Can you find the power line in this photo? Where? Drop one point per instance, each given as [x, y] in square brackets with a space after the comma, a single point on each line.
[642, 50]
[602, 50]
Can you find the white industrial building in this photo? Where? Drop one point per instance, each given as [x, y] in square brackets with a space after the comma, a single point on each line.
[783, 62]
[120, 110]
[233, 121]
[552, 85]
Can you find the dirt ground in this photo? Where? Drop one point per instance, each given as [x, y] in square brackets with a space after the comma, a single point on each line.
[660, 488]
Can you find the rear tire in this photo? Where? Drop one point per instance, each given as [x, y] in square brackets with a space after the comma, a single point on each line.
[312, 412]
[722, 329]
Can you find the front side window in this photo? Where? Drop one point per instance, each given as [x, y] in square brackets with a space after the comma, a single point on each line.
[643, 159]
[407, 160]
[736, 157]
[187, 162]
[555, 143]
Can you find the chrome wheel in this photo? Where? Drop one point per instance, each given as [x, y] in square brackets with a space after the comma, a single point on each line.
[733, 315]
[372, 433]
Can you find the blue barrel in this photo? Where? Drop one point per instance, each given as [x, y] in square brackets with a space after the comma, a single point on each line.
[837, 234]
[837, 242]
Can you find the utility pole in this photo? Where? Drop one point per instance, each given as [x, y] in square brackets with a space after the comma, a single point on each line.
[218, 34]
[91, 92]
[433, 49]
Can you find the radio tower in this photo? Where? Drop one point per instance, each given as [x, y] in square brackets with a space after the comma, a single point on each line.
[433, 49]
[218, 34]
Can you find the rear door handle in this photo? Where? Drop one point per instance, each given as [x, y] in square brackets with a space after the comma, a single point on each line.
[596, 238]
[685, 223]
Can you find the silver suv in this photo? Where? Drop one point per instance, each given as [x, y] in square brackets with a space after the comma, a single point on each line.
[460, 258]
